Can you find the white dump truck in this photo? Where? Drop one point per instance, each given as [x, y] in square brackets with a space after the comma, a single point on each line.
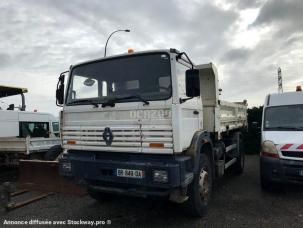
[25, 134]
[281, 157]
[149, 124]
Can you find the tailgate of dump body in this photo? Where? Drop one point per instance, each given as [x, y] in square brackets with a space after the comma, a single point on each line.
[13, 145]
[27, 145]
[218, 115]
[35, 145]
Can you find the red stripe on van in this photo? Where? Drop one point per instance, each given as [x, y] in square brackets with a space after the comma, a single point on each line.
[300, 147]
[286, 146]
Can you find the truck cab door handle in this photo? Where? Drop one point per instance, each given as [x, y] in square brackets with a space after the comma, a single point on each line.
[196, 112]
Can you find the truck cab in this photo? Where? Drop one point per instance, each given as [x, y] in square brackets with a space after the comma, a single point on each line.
[24, 134]
[281, 157]
[148, 124]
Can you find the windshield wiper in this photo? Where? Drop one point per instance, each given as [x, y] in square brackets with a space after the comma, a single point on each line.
[113, 101]
[288, 127]
[84, 101]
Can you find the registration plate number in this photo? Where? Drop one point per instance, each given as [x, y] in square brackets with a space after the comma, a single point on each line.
[132, 173]
[301, 172]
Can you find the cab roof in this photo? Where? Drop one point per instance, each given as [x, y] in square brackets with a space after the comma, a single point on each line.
[126, 54]
[288, 98]
[6, 91]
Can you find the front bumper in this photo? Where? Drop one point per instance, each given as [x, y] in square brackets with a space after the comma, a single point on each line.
[98, 171]
[281, 170]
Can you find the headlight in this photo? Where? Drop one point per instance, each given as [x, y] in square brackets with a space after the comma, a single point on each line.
[269, 149]
[160, 176]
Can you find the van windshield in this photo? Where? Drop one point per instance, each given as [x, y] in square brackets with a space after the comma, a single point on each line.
[284, 118]
[135, 77]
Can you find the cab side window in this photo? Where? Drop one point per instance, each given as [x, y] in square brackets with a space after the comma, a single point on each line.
[34, 129]
[56, 128]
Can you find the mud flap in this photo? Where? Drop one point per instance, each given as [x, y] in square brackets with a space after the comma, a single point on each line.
[37, 175]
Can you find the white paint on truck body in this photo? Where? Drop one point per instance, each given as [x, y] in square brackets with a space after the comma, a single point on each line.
[135, 125]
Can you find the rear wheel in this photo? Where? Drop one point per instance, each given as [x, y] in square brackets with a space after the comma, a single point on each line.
[199, 191]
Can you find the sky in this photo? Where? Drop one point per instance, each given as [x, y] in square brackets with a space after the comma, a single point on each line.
[246, 39]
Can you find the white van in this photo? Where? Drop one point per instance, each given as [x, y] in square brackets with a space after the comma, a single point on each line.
[281, 157]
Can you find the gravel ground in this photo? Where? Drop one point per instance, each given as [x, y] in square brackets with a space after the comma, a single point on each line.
[238, 202]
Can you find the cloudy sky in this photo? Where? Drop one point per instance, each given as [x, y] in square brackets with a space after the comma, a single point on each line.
[246, 39]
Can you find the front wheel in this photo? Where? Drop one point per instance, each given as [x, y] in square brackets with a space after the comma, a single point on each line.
[200, 190]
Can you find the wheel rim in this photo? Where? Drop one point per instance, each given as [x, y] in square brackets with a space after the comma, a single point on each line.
[204, 185]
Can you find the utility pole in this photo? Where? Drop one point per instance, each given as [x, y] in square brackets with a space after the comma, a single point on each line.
[280, 85]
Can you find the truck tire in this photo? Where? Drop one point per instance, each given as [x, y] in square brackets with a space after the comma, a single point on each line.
[238, 167]
[53, 153]
[199, 191]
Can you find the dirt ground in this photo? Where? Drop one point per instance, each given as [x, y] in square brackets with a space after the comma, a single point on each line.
[237, 202]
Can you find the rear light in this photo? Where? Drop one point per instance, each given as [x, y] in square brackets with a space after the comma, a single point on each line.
[269, 150]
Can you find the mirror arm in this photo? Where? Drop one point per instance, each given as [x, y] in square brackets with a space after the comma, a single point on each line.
[182, 100]
[183, 53]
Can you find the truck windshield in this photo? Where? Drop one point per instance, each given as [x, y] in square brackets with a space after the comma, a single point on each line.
[135, 77]
[284, 118]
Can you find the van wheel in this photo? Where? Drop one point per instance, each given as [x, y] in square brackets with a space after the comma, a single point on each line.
[53, 153]
[200, 190]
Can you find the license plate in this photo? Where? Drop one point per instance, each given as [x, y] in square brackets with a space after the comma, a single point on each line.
[132, 173]
[301, 172]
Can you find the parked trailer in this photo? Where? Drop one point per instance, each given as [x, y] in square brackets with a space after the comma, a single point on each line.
[149, 124]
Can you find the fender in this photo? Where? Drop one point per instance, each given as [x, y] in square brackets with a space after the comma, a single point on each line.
[200, 139]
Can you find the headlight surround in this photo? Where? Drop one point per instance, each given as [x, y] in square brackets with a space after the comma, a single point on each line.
[66, 167]
[269, 149]
[160, 176]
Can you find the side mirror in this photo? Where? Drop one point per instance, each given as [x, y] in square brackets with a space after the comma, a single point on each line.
[60, 90]
[192, 81]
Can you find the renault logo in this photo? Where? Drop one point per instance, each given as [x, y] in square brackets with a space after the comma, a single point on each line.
[108, 136]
